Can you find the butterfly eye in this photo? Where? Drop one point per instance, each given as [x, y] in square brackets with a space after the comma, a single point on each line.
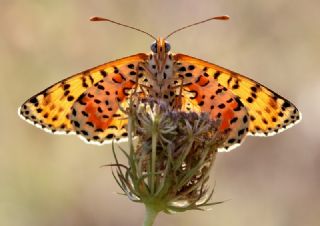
[167, 47]
[154, 47]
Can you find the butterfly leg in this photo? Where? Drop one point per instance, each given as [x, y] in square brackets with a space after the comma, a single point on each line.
[139, 92]
[178, 98]
[148, 85]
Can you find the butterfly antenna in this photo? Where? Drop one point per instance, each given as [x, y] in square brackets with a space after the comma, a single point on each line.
[124, 25]
[225, 17]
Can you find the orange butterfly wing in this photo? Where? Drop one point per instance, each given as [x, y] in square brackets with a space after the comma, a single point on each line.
[54, 108]
[269, 113]
[199, 95]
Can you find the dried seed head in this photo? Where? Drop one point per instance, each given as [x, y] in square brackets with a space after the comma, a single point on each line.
[169, 167]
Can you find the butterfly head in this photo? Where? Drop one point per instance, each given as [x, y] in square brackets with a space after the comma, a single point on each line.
[160, 47]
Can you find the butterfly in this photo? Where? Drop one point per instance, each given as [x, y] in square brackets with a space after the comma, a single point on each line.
[90, 103]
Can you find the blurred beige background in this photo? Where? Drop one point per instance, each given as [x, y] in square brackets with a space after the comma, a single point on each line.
[48, 180]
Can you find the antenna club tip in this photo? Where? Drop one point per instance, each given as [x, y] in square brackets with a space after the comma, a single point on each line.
[97, 18]
[224, 17]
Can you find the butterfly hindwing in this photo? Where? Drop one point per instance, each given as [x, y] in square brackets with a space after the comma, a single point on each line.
[98, 114]
[52, 108]
[268, 112]
[199, 94]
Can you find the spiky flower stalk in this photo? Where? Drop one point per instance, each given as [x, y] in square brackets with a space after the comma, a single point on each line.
[168, 167]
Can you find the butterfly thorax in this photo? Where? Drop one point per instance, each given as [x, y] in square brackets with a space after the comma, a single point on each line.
[160, 72]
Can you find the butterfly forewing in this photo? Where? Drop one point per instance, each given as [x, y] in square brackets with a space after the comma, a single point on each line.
[268, 112]
[54, 108]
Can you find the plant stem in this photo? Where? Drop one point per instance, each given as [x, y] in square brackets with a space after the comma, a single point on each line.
[154, 154]
[130, 128]
[150, 216]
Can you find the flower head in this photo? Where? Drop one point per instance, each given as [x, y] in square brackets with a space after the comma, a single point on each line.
[168, 168]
